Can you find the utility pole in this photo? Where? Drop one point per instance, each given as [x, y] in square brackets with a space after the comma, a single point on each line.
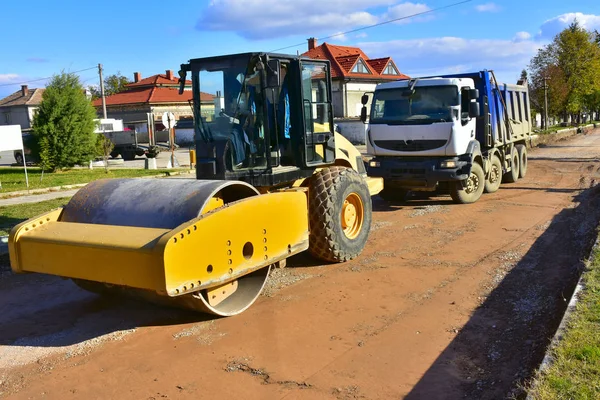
[545, 103]
[102, 91]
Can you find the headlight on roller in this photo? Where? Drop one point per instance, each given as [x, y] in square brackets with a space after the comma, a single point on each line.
[374, 164]
[448, 164]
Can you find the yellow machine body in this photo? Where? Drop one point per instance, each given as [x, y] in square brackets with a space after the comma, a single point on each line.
[202, 253]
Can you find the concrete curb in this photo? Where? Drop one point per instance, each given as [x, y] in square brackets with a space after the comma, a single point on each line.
[20, 193]
[562, 327]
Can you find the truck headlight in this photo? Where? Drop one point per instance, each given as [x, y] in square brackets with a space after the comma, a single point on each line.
[374, 164]
[448, 164]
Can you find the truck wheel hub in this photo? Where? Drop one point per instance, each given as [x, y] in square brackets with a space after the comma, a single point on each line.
[472, 183]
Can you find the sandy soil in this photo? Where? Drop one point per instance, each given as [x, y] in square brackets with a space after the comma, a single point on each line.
[446, 301]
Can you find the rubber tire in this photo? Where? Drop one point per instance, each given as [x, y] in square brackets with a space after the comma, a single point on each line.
[458, 193]
[114, 154]
[391, 193]
[513, 175]
[490, 187]
[522, 151]
[327, 191]
[128, 155]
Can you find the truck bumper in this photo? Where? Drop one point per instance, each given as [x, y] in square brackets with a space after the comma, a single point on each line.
[418, 173]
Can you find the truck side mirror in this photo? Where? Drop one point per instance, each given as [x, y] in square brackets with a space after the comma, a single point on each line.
[363, 114]
[364, 99]
[473, 94]
[474, 110]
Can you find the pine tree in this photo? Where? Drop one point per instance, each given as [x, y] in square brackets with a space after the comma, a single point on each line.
[64, 124]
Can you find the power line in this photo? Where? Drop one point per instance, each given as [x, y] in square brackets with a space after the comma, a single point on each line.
[380, 23]
[43, 79]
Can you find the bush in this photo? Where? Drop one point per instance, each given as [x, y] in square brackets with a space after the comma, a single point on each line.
[64, 124]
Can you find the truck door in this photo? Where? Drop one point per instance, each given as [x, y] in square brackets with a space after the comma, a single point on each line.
[319, 139]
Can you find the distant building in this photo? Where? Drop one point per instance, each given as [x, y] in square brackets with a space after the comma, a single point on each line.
[156, 94]
[19, 107]
[352, 74]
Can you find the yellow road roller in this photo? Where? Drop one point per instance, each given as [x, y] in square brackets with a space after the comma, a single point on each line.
[273, 179]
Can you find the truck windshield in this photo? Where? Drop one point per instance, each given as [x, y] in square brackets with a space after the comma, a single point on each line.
[427, 105]
[231, 107]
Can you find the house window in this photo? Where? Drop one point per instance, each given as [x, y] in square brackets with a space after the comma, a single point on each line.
[360, 68]
[6, 118]
[390, 70]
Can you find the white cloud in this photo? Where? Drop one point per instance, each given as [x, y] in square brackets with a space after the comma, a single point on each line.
[452, 54]
[553, 26]
[263, 19]
[521, 36]
[361, 35]
[404, 10]
[487, 7]
[8, 78]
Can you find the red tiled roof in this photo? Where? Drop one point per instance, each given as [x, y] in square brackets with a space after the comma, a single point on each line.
[151, 95]
[158, 80]
[343, 58]
[347, 62]
[378, 64]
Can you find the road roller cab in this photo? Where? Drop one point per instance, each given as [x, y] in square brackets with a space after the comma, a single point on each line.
[272, 121]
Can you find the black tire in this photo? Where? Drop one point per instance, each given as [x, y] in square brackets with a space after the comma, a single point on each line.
[329, 189]
[494, 178]
[128, 155]
[513, 175]
[19, 158]
[391, 193]
[114, 154]
[469, 191]
[522, 152]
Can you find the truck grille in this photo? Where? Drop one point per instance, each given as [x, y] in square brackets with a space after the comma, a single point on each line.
[410, 145]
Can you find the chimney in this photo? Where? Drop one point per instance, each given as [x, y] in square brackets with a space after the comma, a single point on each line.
[170, 74]
[137, 77]
[24, 90]
[312, 43]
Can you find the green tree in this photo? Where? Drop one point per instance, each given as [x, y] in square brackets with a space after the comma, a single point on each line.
[64, 124]
[115, 83]
[571, 64]
[523, 75]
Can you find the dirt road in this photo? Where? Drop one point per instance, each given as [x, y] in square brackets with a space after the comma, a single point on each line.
[446, 302]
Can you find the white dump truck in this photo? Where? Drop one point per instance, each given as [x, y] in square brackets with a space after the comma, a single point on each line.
[461, 133]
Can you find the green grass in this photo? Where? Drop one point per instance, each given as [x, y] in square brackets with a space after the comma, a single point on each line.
[13, 179]
[575, 371]
[13, 215]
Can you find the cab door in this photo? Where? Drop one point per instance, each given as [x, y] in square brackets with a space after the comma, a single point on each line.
[319, 138]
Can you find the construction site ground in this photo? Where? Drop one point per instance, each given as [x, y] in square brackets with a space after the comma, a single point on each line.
[447, 301]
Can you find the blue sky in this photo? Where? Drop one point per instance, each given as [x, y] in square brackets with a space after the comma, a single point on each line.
[42, 38]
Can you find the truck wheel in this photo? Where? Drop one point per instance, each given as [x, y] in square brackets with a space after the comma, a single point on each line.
[391, 193]
[471, 189]
[513, 175]
[340, 214]
[114, 154]
[522, 151]
[128, 155]
[492, 183]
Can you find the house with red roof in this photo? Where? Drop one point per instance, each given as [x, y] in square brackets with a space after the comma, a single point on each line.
[156, 94]
[352, 73]
[19, 107]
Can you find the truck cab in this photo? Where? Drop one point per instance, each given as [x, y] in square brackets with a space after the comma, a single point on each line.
[460, 132]
[420, 131]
